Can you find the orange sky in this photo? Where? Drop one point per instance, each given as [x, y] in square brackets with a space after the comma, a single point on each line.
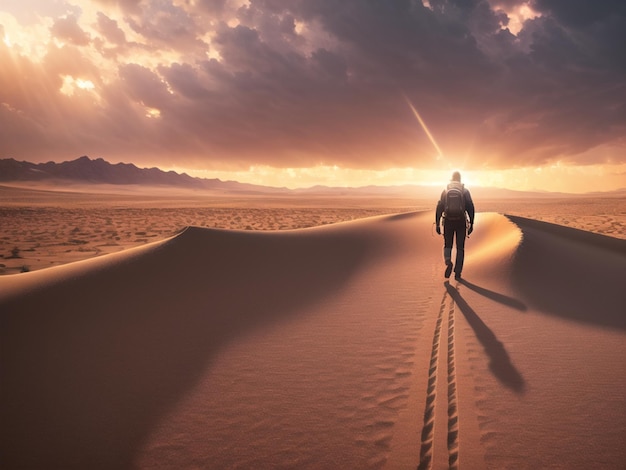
[523, 94]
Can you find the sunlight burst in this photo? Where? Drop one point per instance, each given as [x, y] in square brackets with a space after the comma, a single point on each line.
[85, 84]
[425, 128]
[517, 15]
[70, 84]
[152, 113]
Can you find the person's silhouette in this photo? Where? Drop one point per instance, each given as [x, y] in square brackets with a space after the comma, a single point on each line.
[456, 209]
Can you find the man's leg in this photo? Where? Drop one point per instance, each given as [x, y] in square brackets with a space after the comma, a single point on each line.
[448, 237]
[460, 248]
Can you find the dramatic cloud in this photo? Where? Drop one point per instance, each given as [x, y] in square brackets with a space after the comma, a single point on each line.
[110, 30]
[293, 84]
[67, 29]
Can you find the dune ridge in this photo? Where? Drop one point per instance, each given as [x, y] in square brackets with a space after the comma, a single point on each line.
[44, 226]
[331, 347]
[585, 272]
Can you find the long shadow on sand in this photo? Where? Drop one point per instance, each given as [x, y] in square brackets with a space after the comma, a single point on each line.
[499, 361]
[495, 296]
[91, 362]
[571, 273]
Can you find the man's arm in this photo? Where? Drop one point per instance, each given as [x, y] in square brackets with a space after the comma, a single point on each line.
[471, 211]
[439, 213]
[439, 210]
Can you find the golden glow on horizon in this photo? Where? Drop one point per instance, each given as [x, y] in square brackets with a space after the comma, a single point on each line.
[553, 178]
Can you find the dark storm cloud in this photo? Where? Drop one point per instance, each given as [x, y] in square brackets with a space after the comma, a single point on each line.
[597, 27]
[164, 26]
[581, 13]
[319, 81]
[464, 72]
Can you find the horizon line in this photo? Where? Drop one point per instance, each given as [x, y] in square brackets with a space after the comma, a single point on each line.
[303, 188]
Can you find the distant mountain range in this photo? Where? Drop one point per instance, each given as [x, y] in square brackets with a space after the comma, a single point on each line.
[87, 171]
[99, 171]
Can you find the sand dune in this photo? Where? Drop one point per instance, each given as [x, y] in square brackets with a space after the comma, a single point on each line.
[331, 347]
[44, 226]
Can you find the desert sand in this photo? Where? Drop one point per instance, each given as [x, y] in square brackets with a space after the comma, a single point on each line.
[43, 226]
[337, 346]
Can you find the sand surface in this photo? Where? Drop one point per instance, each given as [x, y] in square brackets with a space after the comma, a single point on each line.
[44, 227]
[340, 346]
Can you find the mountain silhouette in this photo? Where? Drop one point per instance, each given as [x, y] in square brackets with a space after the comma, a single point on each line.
[99, 171]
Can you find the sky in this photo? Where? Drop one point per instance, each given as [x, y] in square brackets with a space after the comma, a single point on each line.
[521, 94]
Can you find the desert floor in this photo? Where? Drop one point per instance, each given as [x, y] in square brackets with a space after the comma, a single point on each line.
[43, 228]
[341, 346]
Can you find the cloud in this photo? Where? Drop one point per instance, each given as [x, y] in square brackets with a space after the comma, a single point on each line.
[127, 6]
[110, 30]
[67, 29]
[230, 84]
[144, 86]
[164, 25]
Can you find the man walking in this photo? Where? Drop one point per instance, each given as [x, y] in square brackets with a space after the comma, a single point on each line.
[456, 207]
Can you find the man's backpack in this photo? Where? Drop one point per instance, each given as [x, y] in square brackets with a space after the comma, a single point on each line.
[454, 202]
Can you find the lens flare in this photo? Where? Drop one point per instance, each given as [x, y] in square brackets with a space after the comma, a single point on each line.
[425, 128]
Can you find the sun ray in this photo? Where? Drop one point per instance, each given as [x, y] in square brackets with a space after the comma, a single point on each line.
[425, 128]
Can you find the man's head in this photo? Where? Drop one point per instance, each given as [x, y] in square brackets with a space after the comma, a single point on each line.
[456, 176]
